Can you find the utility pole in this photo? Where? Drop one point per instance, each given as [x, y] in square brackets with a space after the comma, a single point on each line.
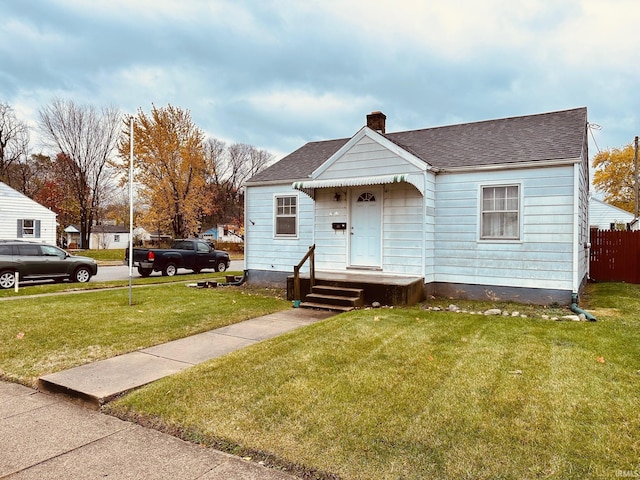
[131, 210]
[635, 173]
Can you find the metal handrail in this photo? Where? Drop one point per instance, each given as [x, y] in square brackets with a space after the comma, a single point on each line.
[310, 255]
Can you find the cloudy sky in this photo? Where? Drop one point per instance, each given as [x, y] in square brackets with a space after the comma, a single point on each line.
[277, 74]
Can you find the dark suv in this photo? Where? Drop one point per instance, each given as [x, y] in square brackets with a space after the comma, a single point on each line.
[41, 261]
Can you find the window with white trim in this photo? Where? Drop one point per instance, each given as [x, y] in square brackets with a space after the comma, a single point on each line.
[500, 216]
[286, 215]
[28, 228]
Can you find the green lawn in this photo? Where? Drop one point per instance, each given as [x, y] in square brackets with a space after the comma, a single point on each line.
[408, 393]
[45, 334]
[105, 255]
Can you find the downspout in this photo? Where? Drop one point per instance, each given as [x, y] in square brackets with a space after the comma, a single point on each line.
[244, 278]
[575, 309]
[575, 241]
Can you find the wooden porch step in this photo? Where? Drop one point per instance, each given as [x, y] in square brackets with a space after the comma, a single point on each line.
[338, 291]
[335, 298]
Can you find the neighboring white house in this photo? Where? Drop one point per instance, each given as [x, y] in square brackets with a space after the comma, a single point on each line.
[495, 209]
[106, 237]
[604, 216]
[24, 219]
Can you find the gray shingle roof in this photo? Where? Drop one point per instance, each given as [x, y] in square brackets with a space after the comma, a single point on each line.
[546, 136]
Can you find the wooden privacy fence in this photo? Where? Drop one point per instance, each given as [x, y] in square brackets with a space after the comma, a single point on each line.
[615, 256]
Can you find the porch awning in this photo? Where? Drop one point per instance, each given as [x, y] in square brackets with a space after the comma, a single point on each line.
[309, 186]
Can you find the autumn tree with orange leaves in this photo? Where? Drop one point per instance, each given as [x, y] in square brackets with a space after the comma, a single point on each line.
[169, 167]
[614, 176]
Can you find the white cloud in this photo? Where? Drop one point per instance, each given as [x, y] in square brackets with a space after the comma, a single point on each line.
[277, 73]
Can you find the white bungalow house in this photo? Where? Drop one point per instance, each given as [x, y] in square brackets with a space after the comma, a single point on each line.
[605, 216]
[22, 218]
[107, 237]
[495, 209]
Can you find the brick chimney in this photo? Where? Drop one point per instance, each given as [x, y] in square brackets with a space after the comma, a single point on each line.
[376, 121]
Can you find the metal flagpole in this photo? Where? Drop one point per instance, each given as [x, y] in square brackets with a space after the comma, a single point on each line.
[131, 212]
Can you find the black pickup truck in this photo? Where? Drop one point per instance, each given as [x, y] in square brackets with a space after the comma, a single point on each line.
[193, 254]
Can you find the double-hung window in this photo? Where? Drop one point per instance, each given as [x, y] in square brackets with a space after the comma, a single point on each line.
[28, 228]
[500, 216]
[286, 210]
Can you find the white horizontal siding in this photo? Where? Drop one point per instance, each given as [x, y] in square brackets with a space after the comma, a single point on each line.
[14, 206]
[107, 240]
[367, 158]
[264, 251]
[602, 215]
[582, 234]
[331, 245]
[542, 258]
[403, 230]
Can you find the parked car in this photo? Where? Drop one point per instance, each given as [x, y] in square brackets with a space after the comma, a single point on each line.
[41, 261]
[193, 254]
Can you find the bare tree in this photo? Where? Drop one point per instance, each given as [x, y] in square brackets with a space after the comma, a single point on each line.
[227, 170]
[87, 138]
[216, 166]
[14, 142]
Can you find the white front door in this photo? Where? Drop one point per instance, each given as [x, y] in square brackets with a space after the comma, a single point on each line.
[366, 227]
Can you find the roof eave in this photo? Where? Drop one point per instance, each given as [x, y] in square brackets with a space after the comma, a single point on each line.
[512, 165]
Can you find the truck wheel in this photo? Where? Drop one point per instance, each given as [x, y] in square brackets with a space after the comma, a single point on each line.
[221, 266]
[7, 279]
[169, 270]
[145, 272]
[82, 275]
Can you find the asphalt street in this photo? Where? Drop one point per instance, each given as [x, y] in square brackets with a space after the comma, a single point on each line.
[121, 272]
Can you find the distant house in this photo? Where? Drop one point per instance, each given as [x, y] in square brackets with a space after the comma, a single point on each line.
[223, 233]
[106, 237]
[24, 219]
[72, 237]
[605, 216]
[494, 210]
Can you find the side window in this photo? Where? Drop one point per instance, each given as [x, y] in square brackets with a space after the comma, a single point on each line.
[286, 215]
[500, 213]
[202, 247]
[51, 251]
[28, 228]
[5, 250]
[29, 250]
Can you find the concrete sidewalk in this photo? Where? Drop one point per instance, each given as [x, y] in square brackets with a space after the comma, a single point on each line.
[45, 436]
[99, 382]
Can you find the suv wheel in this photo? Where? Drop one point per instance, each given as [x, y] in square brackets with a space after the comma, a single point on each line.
[7, 279]
[82, 275]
